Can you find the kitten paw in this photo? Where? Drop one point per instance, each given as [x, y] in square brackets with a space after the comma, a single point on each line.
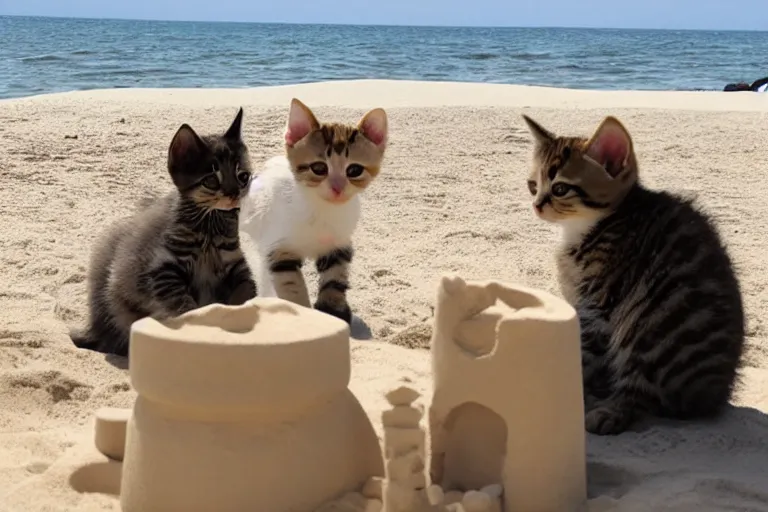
[590, 401]
[343, 312]
[80, 336]
[606, 420]
[175, 310]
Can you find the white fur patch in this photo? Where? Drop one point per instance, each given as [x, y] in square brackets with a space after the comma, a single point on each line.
[575, 229]
[279, 213]
[255, 185]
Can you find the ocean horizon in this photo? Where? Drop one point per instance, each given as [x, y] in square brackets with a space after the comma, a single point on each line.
[42, 55]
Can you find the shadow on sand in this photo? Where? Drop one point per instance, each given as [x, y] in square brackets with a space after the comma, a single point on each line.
[683, 466]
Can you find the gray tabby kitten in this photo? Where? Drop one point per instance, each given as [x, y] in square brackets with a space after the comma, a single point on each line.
[181, 252]
[658, 300]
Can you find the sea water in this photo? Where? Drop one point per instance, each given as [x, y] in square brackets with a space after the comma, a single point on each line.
[42, 55]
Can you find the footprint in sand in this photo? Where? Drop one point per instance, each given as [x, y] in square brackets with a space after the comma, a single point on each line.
[56, 385]
[386, 278]
[70, 298]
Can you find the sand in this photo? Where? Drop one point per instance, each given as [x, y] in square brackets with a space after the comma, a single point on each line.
[451, 197]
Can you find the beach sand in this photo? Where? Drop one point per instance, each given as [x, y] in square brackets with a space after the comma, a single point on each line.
[451, 198]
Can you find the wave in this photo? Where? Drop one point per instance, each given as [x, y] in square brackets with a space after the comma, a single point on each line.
[134, 73]
[531, 56]
[479, 56]
[48, 57]
[695, 89]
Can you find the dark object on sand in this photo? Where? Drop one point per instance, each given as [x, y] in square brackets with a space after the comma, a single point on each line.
[743, 86]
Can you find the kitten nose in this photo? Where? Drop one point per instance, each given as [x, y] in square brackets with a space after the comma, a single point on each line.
[337, 187]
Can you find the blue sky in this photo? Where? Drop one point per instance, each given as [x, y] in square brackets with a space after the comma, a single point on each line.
[676, 14]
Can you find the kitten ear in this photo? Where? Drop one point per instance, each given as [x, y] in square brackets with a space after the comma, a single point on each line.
[186, 145]
[540, 134]
[301, 121]
[610, 146]
[374, 126]
[235, 130]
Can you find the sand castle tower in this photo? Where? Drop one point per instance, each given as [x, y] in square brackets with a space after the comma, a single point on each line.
[404, 488]
[507, 404]
[244, 408]
[404, 440]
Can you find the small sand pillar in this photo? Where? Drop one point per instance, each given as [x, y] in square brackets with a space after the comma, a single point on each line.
[507, 402]
[110, 430]
[244, 408]
[405, 482]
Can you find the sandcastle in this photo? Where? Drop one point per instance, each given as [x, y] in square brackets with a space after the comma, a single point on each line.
[238, 409]
[507, 404]
[247, 408]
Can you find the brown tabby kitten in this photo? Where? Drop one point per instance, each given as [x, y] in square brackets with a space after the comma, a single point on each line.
[180, 253]
[658, 300]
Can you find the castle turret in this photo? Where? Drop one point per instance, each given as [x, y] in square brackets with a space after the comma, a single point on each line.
[507, 404]
[405, 480]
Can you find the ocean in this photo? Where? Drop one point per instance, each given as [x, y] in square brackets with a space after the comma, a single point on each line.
[44, 55]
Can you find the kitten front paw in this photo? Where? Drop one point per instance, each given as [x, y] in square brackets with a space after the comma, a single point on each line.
[242, 294]
[342, 311]
[590, 401]
[606, 420]
[179, 308]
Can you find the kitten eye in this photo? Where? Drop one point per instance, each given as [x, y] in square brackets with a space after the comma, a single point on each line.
[560, 189]
[532, 187]
[211, 182]
[243, 177]
[355, 170]
[319, 168]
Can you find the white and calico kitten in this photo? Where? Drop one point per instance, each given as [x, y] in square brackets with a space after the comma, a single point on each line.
[306, 205]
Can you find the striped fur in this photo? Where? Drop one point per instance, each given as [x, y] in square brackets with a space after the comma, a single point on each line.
[306, 205]
[179, 252]
[659, 303]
